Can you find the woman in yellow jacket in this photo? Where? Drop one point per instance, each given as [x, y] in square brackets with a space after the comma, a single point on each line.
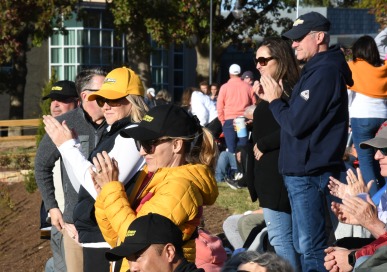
[176, 182]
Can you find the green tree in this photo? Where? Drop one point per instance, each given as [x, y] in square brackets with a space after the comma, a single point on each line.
[23, 25]
[378, 8]
[188, 21]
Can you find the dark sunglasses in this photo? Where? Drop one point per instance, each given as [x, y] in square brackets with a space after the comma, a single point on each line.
[111, 102]
[382, 150]
[150, 146]
[262, 60]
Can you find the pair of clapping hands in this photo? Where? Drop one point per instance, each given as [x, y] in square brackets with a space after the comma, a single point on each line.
[357, 204]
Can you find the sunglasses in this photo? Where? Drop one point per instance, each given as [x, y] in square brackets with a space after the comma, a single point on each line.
[150, 146]
[382, 150]
[111, 102]
[262, 60]
[303, 37]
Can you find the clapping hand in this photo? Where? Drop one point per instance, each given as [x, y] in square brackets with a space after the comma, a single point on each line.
[58, 132]
[354, 186]
[105, 170]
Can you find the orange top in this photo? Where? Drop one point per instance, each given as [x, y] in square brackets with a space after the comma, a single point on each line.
[369, 80]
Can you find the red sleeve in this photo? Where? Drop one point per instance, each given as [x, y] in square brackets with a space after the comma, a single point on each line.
[371, 248]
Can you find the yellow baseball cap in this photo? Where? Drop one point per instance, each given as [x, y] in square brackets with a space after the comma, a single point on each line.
[119, 83]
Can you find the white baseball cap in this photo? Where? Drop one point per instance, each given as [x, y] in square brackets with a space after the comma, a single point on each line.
[151, 91]
[235, 69]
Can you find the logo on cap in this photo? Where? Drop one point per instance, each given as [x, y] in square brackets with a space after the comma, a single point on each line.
[109, 80]
[56, 88]
[298, 22]
[130, 233]
[147, 118]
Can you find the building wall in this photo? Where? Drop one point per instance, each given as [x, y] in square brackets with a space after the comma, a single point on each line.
[37, 78]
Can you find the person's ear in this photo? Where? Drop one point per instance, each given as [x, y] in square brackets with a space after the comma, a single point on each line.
[320, 36]
[170, 252]
[83, 96]
[177, 145]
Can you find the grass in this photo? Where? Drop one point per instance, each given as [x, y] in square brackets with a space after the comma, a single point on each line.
[237, 201]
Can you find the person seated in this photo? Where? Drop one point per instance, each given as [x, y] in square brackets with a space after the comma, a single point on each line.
[252, 261]
[177, 181]
[359, 210]
[237, 227]
[153, 243]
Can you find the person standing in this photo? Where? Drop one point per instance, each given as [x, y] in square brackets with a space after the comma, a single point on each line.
[248, 77]
[274, 58]
[234, 96]
[121, 98]
[150, 98]
[89, 122]
[64, 98]
[204, 87]
[367, 104]
[314, 130]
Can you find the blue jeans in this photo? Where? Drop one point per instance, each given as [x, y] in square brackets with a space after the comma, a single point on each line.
[310, 200]
[279, 229]
[226, 163]
[364, 129]
[230, 135]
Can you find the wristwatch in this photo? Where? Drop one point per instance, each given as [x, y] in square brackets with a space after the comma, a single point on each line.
[352, 258]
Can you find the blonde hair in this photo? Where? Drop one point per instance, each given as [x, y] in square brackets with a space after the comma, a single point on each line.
[204, 150]
[139, 108]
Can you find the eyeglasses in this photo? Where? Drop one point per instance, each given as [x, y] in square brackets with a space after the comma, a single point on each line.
[111, 102]
[303, 37]
[150, 146]
[262, 60]
[91, 90]
[382, 150]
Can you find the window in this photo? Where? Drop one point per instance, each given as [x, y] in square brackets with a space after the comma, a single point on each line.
[86, 45]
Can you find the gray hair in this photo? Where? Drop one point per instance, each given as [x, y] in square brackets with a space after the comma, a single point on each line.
[83, 78]
[271, 261]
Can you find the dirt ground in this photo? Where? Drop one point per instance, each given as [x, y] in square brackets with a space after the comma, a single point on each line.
[21, 248]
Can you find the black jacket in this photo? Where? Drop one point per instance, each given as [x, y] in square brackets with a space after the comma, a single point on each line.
[84, 217]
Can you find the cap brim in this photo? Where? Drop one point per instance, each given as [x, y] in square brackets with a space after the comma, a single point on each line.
[123, 251]
[58, 96]
[109, 94]
[375, 142]
[295, 33]
[140, 134]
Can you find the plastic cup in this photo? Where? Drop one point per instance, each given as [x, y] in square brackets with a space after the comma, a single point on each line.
[241, 127]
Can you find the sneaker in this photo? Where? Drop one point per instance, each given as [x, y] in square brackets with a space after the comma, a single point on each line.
[233, 184]
[238, 176]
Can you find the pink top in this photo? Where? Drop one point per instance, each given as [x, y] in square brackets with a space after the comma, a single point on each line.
[234, 96]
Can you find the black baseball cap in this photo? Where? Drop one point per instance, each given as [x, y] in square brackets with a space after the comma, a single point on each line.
[312, 21]
[164, 120]
[145, 231]
[248, 74]
[61, 90]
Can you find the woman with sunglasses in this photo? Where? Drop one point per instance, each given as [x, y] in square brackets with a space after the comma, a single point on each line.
[177, 181]
[274, 58]
[122, 103]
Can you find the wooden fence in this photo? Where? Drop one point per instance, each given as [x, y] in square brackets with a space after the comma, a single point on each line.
[16, 128]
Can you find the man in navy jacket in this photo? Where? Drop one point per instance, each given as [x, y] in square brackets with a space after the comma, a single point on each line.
[314, 125]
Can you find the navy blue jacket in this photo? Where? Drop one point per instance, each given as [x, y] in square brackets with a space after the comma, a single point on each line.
[314, 123]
